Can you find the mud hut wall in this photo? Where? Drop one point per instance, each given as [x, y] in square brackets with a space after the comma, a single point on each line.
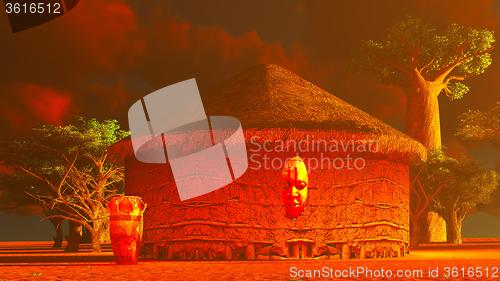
[341, 203]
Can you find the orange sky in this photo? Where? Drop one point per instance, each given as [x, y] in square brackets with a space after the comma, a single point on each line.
[103, 55]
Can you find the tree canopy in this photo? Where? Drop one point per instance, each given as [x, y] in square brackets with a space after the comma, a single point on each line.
[446, 56]
[468, 185]
[42, 158]
[83, 135]
[480, 125]
[458, 186]
[41, 162]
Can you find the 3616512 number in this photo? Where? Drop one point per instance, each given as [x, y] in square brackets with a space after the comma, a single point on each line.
[33, 8]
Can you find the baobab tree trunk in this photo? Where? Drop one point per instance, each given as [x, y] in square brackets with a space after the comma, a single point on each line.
[423, 124]
[454, 228]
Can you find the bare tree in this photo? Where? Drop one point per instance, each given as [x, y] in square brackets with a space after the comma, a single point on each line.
[39, 164]
[82, 196]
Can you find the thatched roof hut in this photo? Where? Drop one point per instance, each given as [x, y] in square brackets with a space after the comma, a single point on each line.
[362, 212]
[269, 96]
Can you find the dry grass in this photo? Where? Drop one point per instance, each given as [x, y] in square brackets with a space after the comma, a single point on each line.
[269, 96]
[392, 146]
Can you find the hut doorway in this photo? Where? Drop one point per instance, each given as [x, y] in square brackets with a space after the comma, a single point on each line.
[300, 249]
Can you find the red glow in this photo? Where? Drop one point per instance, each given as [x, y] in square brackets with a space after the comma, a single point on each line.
[32, 103]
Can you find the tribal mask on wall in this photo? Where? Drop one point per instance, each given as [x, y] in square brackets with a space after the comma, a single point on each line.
[295, 193]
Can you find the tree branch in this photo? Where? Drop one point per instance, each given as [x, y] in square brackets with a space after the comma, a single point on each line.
[427, 65]
[423, 192]
[456, 78]
[38, 177]
[65, 176]
[449, 68]
[394, 66]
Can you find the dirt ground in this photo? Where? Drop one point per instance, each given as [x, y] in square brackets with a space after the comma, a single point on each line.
[426, 264]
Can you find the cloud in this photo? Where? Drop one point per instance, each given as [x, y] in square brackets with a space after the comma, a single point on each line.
[106, 32]
[30, 104]
[94, 42]
[107, 54]
[179, 50]
[95, 38]
[116, 96]
[107, 57]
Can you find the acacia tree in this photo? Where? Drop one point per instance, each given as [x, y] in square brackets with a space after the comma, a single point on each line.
[483, 127]
[478, 125]
[40, 162]
[421, 199]
[458, 185]
[41, 175]
[82, 196]
[428, 62]
[13, 197]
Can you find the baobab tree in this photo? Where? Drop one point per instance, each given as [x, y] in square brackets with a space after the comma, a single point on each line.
[428, 62]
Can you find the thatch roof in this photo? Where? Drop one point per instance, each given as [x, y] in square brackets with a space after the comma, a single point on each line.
[269, 96]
